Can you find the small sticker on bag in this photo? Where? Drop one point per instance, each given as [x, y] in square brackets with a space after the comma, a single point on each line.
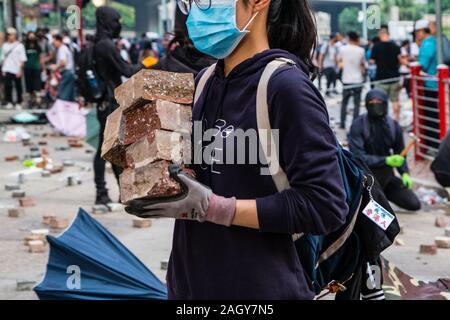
[378, 214]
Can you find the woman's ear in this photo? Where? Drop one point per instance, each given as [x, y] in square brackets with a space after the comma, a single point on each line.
[259, 5]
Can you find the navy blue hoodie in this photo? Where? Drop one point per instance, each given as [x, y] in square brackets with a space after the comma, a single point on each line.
[210, 261]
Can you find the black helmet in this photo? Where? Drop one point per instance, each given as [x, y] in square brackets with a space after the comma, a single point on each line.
[377, 110]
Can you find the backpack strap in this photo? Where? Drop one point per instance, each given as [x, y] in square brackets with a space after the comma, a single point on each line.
[263, 122]
[202, 82]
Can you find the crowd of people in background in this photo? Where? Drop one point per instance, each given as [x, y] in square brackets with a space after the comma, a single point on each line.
[382, 66]
[382, 62]
[38, 66]
[45, 62]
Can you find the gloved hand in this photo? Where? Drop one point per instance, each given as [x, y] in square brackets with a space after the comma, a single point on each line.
[197, 202]
[407, 180]
[395, 161]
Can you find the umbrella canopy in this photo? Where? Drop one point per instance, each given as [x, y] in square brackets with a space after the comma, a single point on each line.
[88, 262]
[67, 118]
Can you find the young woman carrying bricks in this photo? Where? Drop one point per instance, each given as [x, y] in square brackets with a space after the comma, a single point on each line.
[233, 233]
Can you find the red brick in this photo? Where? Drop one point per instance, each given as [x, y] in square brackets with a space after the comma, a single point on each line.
[26, 202]
[47, 218]
[56, 169]
[430, 249]
[16, 212]
[36, 246]
[151, 180]
[143, 121]
[442, 242]
[11, 158]
[142, 223]
[112, 148]
[440, 222]
[149, 85]
[58, 223]
[162, 145]
[76, 145]
[34, 237]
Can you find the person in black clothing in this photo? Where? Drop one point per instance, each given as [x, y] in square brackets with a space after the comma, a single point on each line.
[440, 166]
[387, 56]
[181, 54]
[378, 140]
[33, 68]
[110, 67]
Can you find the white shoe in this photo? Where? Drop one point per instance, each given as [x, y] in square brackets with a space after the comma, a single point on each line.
[9, 106]
[18, 106]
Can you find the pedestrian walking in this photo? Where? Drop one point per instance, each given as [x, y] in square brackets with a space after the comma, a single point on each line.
[64, 65]
[33, 69]
[13, 58]
[351, 58]
[328, 64]
[428, 61]
[387, 56]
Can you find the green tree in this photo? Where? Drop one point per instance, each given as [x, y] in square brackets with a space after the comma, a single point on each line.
[348, 20]
[409, 9]
[445, 6]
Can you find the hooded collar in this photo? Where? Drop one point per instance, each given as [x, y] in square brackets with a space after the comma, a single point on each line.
[107, 22]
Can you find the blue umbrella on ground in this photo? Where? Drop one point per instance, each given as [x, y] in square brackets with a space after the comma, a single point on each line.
[88, 262]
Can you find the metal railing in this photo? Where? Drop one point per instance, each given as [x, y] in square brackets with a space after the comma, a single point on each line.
[431, 109]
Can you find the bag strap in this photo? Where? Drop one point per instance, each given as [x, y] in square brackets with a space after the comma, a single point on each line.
[7, 54]
[202, 82]
[262, 117]
[265, 134]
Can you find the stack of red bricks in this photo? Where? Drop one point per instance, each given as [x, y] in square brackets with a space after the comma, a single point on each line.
[149, 131]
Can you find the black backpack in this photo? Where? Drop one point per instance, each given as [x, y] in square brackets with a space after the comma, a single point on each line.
[335, 261]
[89, 84]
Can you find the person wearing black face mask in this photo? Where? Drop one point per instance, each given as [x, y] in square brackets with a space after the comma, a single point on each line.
[377, 139]
[110, 67]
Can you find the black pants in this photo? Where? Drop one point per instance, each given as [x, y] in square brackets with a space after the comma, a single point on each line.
[402, 196]
[99, 163]
[32, 80]
[346, 95]
[331, 76]
[432, 114]
[10, 81]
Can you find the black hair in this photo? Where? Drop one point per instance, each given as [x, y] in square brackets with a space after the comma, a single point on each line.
[58, 37]
[31, 44]
[405, 43]
[291, 26]
[353, 36]
[181, 35]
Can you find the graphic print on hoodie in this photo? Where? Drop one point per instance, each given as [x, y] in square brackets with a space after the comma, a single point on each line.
[210, 261]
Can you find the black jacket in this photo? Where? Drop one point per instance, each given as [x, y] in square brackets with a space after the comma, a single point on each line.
[109, 64]
[184, 60]
[440, 166]
[373, 149]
